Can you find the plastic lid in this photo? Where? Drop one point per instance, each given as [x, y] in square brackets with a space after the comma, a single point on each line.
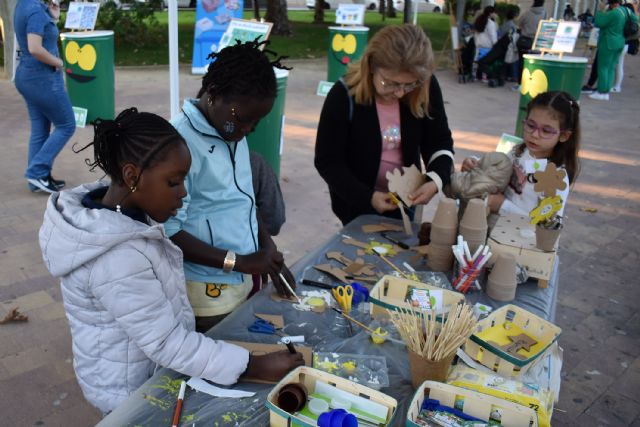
[86, 34]
[554, 58]
[318, 406]
[353, 29]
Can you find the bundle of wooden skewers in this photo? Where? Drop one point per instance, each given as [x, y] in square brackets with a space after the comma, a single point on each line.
[427, 337]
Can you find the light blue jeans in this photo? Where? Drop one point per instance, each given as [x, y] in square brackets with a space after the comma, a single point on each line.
[42, 88]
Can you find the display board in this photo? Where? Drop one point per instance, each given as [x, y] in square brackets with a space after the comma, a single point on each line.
[212, 20]
[245, 31]
[82, 16]
[350, 14]
[556, 36]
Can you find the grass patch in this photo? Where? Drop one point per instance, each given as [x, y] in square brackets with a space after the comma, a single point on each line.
[308, 41]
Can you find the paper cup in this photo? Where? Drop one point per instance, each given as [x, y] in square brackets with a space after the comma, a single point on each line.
[423, 369]
[502, 281]
[475, 215]
[446, 214]
[546, 239]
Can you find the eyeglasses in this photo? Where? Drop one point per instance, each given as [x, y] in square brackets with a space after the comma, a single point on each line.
[390, 86]
[545, 132]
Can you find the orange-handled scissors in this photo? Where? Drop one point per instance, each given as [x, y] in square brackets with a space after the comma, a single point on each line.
[344, 295]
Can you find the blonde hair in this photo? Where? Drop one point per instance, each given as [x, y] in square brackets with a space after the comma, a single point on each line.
[400, 48]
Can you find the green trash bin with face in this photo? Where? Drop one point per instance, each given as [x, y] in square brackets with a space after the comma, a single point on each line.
[548, 73]
[89, 71]
[268, 139]
[346, 45]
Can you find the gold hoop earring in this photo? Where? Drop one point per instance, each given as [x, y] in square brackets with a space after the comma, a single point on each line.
[133, 188]
[233, 111]
[209, 102]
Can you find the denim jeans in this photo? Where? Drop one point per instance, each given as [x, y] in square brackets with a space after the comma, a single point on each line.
[48, 103]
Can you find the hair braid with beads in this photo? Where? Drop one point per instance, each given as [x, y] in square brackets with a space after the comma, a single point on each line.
[242, 69]
[133, 137]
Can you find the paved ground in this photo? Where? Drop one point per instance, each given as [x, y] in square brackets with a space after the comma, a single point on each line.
[599, 293]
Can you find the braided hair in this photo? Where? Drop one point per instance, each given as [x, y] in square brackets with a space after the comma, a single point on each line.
[242, 69]
[567, 110]
[133, 137]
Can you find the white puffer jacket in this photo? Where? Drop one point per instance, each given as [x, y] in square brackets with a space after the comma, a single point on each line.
[125, 299]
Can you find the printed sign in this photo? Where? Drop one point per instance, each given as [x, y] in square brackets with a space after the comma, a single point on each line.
[566, 37]
[82, 16]
[212, 20]
[245, 31]
[81, 116]
[350, 14]
[324, 87]
[545, 35]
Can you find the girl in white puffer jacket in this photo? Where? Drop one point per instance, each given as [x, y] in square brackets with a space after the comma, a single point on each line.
[122, 279]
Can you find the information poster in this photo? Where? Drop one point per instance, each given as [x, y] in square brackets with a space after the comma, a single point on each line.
[545, 35]
[245, 31]
[212, 20]
[350, 14]
[566, 36]
[82, 16]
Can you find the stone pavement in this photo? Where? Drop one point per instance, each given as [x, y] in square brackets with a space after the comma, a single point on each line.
[598, 294]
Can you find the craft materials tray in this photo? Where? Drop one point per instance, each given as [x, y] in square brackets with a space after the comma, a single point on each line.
[391, 292]
[377, 407]
[471, 403]
[509, 339]
[368, 370]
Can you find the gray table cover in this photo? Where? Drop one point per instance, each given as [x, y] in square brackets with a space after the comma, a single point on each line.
[153, 403]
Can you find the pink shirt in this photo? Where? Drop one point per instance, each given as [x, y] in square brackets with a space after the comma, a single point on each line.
[391, 158]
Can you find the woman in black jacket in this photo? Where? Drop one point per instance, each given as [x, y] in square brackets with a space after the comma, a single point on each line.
[386, 113]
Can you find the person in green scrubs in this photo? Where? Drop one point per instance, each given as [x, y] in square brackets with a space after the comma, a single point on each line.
[610, 44]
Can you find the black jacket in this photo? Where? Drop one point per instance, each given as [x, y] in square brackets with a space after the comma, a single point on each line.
[348, 150]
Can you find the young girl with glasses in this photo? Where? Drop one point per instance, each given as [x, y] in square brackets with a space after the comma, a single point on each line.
[387, 112]
[551, 133]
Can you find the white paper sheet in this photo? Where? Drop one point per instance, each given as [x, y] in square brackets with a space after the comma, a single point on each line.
[199, 384]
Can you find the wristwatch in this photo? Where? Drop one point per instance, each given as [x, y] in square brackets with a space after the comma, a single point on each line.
[229, 262]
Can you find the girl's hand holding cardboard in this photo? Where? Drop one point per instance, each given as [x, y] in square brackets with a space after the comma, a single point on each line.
[273, 366]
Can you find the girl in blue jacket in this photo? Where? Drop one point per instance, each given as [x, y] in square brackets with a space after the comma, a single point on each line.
[218, 228]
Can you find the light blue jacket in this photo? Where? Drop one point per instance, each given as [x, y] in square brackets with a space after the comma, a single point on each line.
[219, 208]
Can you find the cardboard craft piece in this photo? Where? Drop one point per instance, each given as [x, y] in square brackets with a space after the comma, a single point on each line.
[519, 342]
[378, 228]
[406, 222]
[353, 268]
[405, 182]
[259, 349]
[550, 180]
[368, 247]
[342, 275]
[275, 319]
[277, 298]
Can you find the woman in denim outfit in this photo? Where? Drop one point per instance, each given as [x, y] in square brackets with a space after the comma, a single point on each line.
[39, 81]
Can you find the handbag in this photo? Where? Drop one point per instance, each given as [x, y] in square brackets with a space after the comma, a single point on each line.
[630, 29]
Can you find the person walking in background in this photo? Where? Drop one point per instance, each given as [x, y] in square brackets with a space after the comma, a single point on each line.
[610, 44]
[617, 86]
[528, 24]
[39, 81]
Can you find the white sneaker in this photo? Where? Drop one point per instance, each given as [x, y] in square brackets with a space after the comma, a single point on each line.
[43, 184]
[599, 96]
[616, 89]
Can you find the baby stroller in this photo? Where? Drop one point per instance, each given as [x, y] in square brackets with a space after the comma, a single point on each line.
[492, 64]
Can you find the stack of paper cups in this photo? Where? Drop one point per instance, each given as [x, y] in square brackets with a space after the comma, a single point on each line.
[444, 229]
[473, 225]
[502, 281]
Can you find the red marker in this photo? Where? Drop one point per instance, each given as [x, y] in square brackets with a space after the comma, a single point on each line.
[176, 413]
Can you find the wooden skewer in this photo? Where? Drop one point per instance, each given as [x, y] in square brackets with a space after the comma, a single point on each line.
[390, 264]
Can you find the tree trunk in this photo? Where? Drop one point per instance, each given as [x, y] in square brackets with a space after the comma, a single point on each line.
[6, 16]
[382, 8]
[318, 13]
[391, 11]
[408, 12]
[277, 13]
[256, 10]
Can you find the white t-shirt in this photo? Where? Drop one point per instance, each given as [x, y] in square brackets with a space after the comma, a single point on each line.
[520, 197]
[488, 37]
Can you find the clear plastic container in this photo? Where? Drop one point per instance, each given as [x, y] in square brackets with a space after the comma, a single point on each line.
[368, 370]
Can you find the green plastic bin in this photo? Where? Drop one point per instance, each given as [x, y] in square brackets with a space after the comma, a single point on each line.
[267, 138]
[89, 70]
[346, 45]
[546, 73]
